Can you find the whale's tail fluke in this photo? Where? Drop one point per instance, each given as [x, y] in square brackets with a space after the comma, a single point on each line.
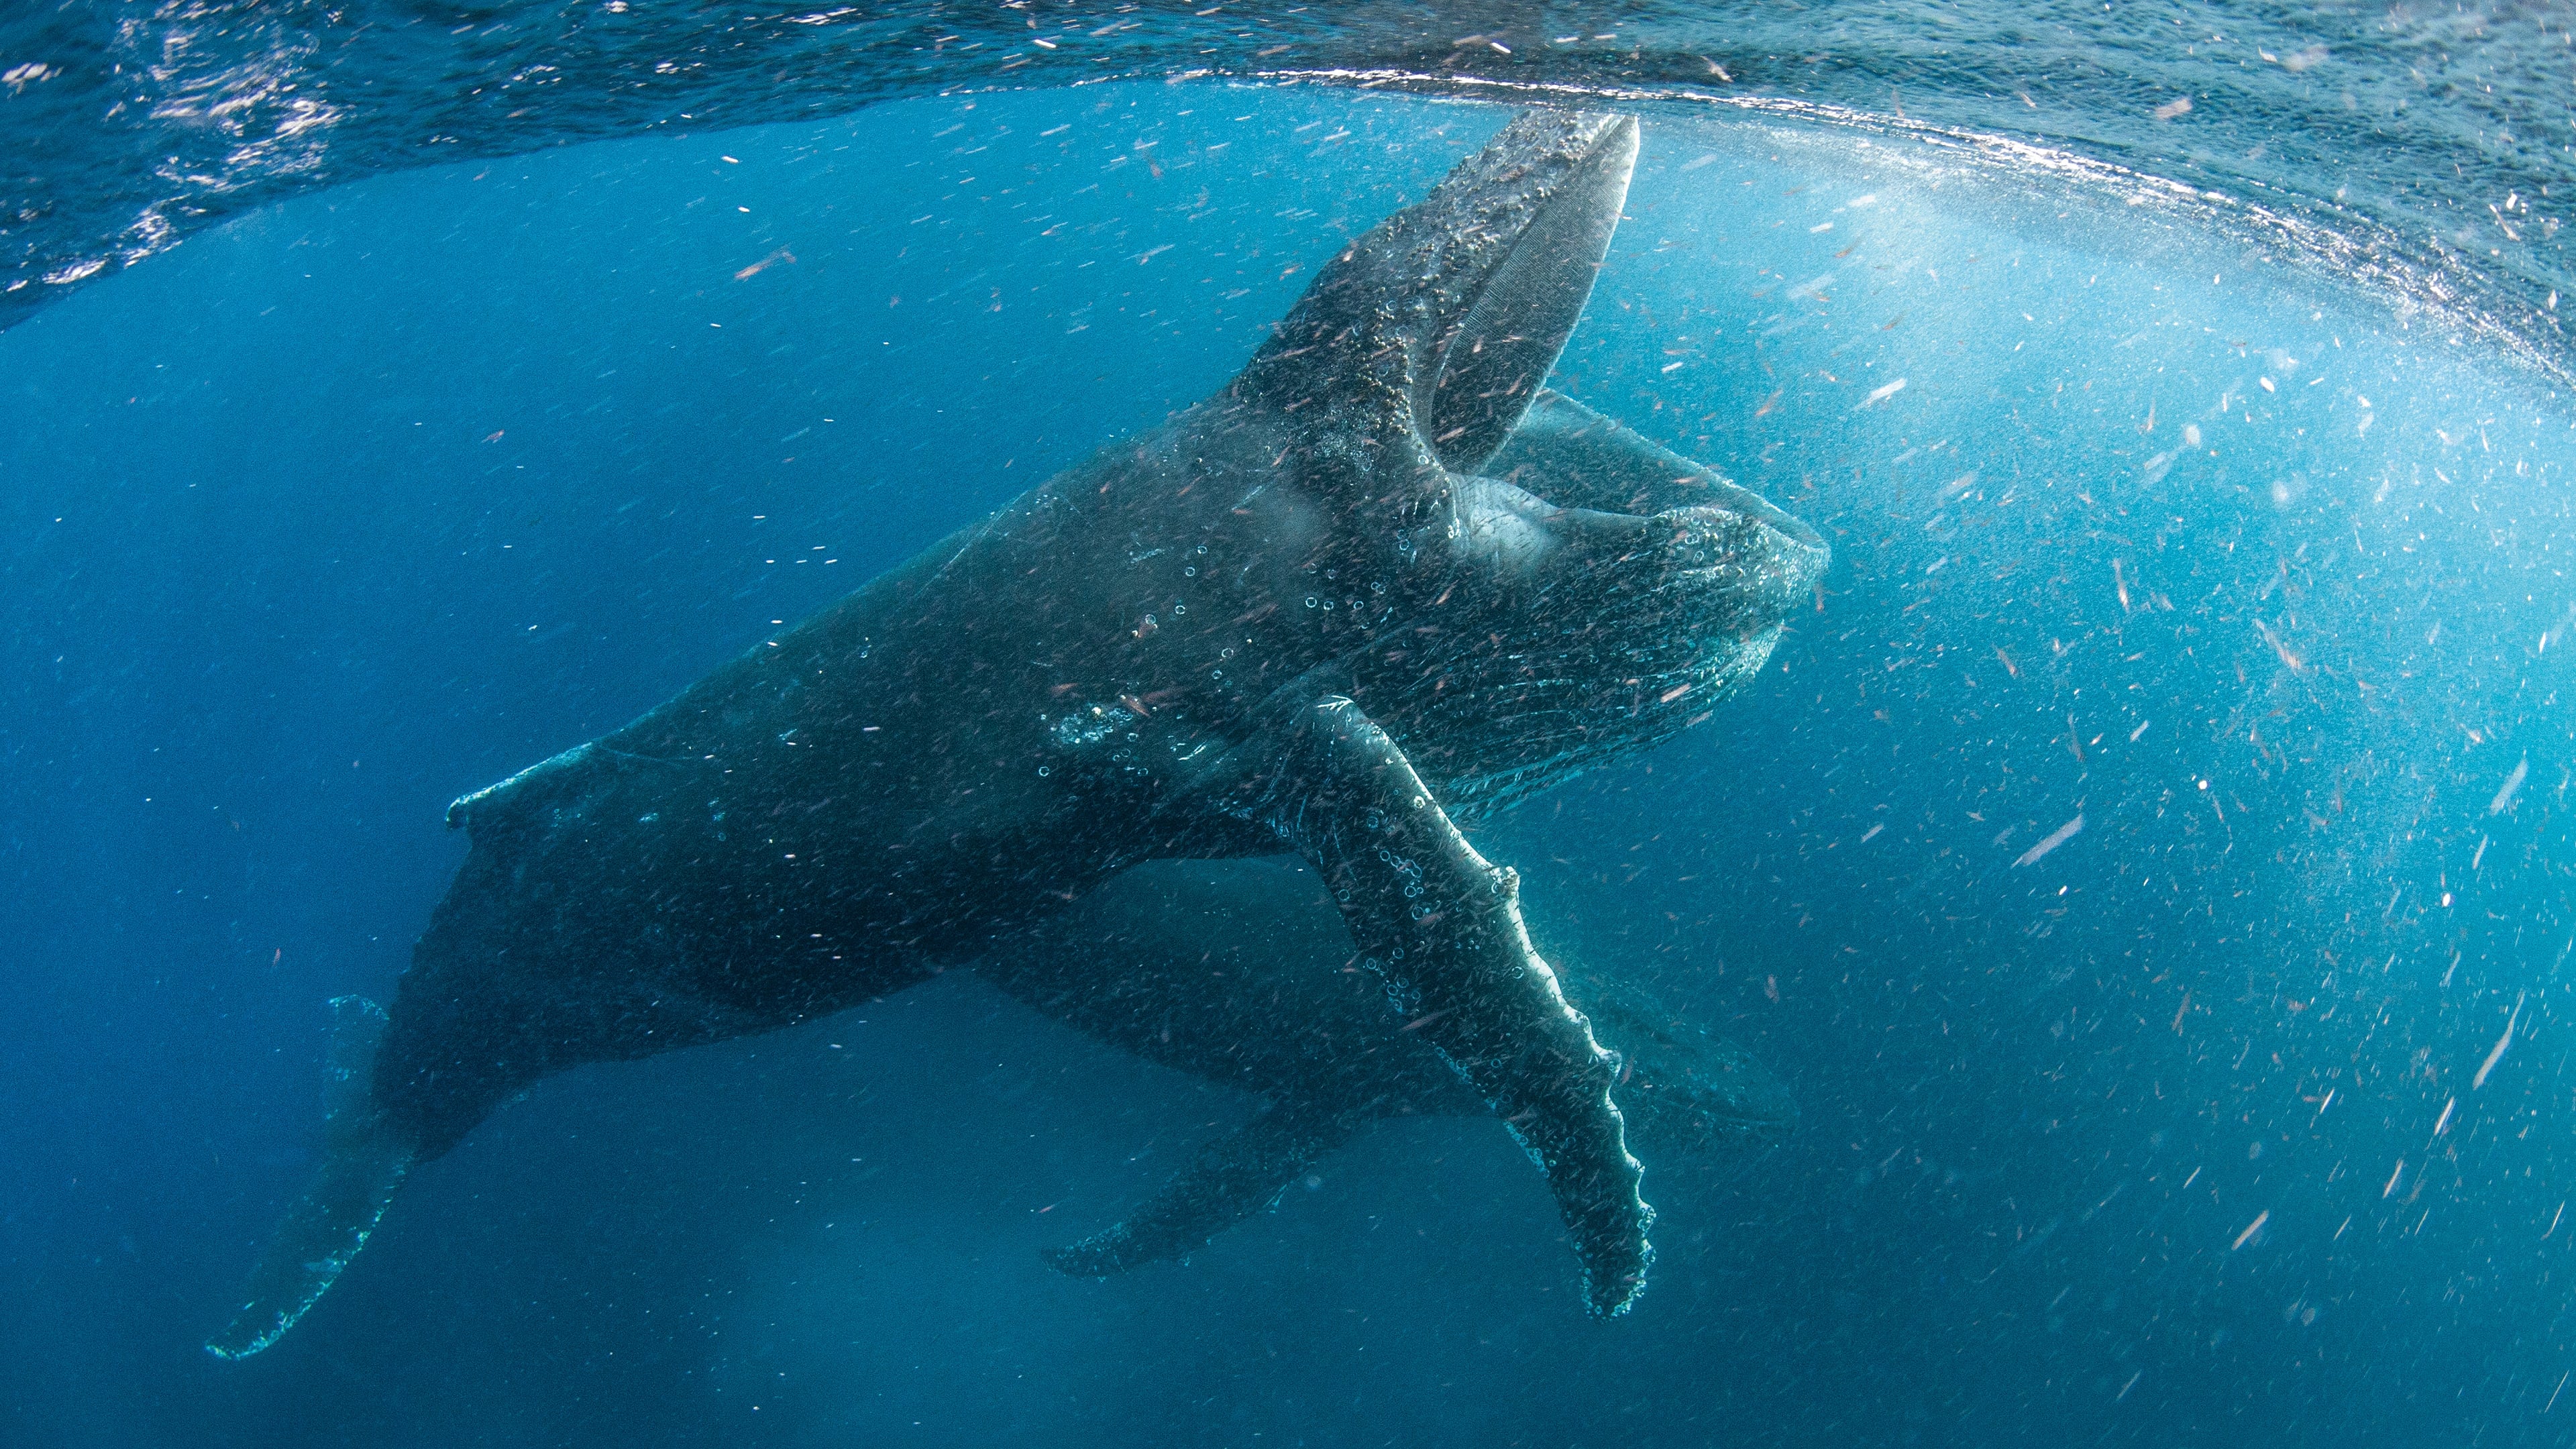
[363, 1162]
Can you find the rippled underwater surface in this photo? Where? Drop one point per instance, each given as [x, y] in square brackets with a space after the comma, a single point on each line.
[2236, 1114]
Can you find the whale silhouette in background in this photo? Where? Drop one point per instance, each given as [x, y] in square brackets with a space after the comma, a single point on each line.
[1377, 584]
[1194, 964]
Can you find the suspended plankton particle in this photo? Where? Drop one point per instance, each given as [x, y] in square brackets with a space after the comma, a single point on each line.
[2060, 836]
[2251, 1229]
[2506, 1040]
[2512, 783]
[2289, 656]
[1882, 394]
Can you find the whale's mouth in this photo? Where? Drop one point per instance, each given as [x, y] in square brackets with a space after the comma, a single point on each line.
[1493, 362]
[1567, 473]
[1728, 536]
[1727, 499]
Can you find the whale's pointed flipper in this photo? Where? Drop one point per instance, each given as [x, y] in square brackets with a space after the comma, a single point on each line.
[1235, 1176]
[363, 1162]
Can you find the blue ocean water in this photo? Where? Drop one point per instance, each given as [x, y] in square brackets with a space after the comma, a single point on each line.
[2232, 1114]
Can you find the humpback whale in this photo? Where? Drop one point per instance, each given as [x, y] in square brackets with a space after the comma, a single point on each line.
[1193, 964]
[1379, 584]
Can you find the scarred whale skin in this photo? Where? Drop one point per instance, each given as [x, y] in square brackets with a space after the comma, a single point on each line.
[1238, 633]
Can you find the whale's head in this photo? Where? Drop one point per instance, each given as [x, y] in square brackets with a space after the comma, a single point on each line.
[1601, 593]
[1562, 589]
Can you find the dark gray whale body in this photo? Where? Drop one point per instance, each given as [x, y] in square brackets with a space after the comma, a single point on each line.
[1194, 964]
[1378, 584]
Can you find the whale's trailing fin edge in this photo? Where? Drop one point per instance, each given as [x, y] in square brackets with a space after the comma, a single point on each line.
[363, 1164]
[1234, 1177]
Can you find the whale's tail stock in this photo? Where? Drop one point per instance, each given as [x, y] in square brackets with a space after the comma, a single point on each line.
[363, 1162]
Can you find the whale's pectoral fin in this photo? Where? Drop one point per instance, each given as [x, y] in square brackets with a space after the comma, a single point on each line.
[1443, 928]
[363, 1163]
[1234, 1177]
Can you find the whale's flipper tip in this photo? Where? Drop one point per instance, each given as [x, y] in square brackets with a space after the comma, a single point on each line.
[363, 1165]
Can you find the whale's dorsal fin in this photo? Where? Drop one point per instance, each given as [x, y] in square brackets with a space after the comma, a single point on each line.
[1453, 310]
[1234, 1177]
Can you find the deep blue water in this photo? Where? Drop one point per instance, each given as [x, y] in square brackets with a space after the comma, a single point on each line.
[379, 493]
